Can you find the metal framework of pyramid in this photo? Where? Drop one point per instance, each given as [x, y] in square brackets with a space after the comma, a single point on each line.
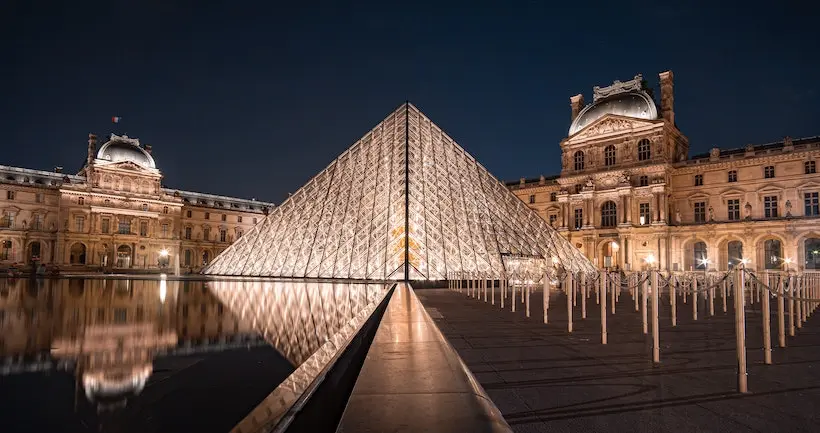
[405, 202]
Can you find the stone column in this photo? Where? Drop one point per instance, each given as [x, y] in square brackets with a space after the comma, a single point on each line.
[624, 208]
[655, 210]
[663, 206]
[564, 214]
[663, 251]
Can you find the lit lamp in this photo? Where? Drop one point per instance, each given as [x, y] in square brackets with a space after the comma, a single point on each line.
[650, 260]
[787, 261]
[163, 253]
[744, 262]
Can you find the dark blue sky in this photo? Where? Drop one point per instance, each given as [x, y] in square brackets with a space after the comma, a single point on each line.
[252, 102]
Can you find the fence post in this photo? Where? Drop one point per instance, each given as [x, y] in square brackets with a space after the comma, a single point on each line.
[602, 300]
[568, 286]
[740, 333]
[614, 285]
[546, 300]
[583, 295]
[767, 337]
[656, 341]
[781, 320]
[711, 297]
[695, 297]
[673, 300]
[791, 304]
[644, 313]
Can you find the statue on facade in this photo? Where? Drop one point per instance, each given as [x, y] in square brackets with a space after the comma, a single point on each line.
[678, 218]
[788, 208]
[711, 214]
[748, 211]
[625, 179]
[589, 183]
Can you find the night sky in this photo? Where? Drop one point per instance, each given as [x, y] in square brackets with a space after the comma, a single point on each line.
[252, 102]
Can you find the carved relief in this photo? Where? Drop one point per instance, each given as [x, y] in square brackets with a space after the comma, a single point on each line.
[606, 126]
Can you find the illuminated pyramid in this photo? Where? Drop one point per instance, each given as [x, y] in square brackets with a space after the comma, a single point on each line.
[405, 202]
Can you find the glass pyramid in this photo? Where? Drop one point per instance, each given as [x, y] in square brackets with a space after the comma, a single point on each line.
[405, 202]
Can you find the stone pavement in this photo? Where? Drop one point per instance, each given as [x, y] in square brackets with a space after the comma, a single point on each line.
[546, 380]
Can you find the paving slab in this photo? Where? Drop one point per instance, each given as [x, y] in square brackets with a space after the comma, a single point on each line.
[544, 379]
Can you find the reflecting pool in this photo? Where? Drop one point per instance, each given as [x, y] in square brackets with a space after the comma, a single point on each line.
[166, 356]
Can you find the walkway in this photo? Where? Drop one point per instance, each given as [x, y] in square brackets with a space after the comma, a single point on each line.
[545, 380]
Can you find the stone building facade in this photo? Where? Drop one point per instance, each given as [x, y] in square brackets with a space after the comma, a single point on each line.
[628, 190]
[115, 215]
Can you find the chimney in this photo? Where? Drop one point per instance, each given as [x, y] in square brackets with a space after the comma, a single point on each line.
[667, 96]
[92, 148]
[577, 103]
[58, 169]
[148, 148]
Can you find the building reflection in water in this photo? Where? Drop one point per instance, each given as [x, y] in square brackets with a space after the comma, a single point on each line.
[108, 332]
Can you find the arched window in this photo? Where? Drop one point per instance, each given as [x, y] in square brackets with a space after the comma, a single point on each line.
[609, 214]
[644, 150]
[77, 254]
[735, 253]
[609, 155]
[579, 160]
[701, 259]
[773, 254]
[812, 253]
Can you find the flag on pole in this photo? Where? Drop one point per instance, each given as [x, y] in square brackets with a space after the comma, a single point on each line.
[116, 119]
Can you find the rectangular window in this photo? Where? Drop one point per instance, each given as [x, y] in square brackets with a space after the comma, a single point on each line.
[143, 228]
[37, 222]
[224, 217]
[206, 233]
[532, 198]
[207, 215]
[7, 221]
[38, 197]
[700, 212]
[811, 167]
[239, 219]
[81, 201]
[812, 204]
[165, 230]
[10, 195]
[733, 208]
[770, 206]
[698, 180]
[768, 172]
[553, 219]
[188, 214]
[644, 214]
[105, 225]
[579, 218]
[79, 224]
[187, 233]
[553, 196]
[125, 227]
[643, 181]
[5, 250]
[223, 235]
[732, 175]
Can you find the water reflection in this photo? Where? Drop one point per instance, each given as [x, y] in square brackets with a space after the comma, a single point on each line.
[107, 331]
[110, 334]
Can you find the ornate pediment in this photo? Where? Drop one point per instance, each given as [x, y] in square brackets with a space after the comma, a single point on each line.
[607, 125]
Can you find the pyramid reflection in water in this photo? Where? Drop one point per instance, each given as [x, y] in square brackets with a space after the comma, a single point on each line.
[404, 202]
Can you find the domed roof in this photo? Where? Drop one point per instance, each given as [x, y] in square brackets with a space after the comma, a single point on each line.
[636, 104]
[119, 149]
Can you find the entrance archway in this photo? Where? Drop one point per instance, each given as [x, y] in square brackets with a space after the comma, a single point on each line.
[734, 251]
[77, 254]
[772, 254]
[124, 256]
[812, 250]
[33, 252]
[700, 257]
[609, 254]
